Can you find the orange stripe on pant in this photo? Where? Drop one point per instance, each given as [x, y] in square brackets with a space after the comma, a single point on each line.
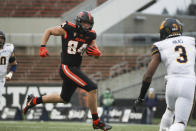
[72, 76]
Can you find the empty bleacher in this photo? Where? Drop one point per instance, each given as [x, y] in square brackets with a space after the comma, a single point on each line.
[34, 69]
[36, 8]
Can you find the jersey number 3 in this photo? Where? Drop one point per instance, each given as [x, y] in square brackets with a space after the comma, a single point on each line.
[183, 55]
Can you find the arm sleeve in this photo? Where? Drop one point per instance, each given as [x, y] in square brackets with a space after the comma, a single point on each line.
[93, 35]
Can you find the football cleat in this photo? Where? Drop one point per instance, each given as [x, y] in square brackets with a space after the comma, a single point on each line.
[101, 125]
[30, 103]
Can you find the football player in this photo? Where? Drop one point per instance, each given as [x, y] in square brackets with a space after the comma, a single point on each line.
[6, 57]
[177, 53]
[76, 39]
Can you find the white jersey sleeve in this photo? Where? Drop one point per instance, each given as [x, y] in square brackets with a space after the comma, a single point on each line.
[9, 47]
[178, 55]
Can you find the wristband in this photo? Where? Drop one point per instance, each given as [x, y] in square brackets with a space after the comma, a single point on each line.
[43, 45]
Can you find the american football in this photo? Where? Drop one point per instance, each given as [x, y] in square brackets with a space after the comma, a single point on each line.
[110, 65]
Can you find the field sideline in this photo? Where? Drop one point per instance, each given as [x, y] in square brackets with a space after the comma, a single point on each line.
[72, 126]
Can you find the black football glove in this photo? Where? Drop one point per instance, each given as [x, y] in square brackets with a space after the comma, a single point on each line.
[137, 102]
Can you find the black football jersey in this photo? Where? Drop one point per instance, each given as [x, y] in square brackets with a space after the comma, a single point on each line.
[74, 44]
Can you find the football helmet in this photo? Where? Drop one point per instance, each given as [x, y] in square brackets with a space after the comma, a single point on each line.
[86, 17]
[170, 28]
[2, 37]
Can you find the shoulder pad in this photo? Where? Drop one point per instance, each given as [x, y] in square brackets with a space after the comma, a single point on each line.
[68, 26]
[71, 24]
[9, 46]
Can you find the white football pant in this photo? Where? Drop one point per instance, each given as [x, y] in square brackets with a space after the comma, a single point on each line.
[179, 99]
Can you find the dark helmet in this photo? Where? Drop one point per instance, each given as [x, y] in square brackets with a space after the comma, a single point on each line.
[170, 28]
[2, 36]
[84, 16]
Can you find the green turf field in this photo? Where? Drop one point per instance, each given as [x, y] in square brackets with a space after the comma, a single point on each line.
[72, 126]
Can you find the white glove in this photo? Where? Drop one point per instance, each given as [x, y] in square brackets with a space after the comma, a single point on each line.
[9, 76]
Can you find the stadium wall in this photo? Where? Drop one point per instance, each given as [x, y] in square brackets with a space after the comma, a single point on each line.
[149, 23]
[27, 25]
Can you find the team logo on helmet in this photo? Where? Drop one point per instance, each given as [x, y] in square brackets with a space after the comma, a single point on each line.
[170, 28]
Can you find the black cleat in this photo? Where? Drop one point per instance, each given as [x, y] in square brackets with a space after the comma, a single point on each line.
[101, 125]
[29, 103]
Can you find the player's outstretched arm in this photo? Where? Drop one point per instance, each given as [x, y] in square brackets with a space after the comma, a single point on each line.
[147, 78]
[56, 31]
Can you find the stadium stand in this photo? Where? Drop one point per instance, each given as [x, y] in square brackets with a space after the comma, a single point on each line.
[33, 69]
[99, 2]
[38, 8]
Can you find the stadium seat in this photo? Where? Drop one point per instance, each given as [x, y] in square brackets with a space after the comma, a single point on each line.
[33, 69]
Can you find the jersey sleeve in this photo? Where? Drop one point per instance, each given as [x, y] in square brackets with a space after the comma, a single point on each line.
[67, 26]
[9, 47]
[154, 49]
[93, 35]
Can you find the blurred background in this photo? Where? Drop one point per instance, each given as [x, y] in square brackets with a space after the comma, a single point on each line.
[126, 30]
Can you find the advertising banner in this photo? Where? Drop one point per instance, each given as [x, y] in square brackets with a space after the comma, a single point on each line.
[14, 98]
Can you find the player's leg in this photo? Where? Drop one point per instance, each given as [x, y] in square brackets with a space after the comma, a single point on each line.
[166, 120]
[52, 98]
[68, 88]
[66, 93]
[177, 127]
[82, 81]
[92, 101]
[65, 96]
[184, 104]
[182, 111]
[168, 116]
[2, 83]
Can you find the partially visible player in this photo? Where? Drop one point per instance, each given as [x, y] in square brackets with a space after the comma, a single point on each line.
[76, 39]
[6, 57]
[178, 54]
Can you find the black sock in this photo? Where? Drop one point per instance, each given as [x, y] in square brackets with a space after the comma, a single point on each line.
[39, 100]
[95, 116]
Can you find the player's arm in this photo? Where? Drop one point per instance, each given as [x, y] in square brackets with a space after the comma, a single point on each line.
[56, 31]
[92, 50]
[13, 64]
[147, 78]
